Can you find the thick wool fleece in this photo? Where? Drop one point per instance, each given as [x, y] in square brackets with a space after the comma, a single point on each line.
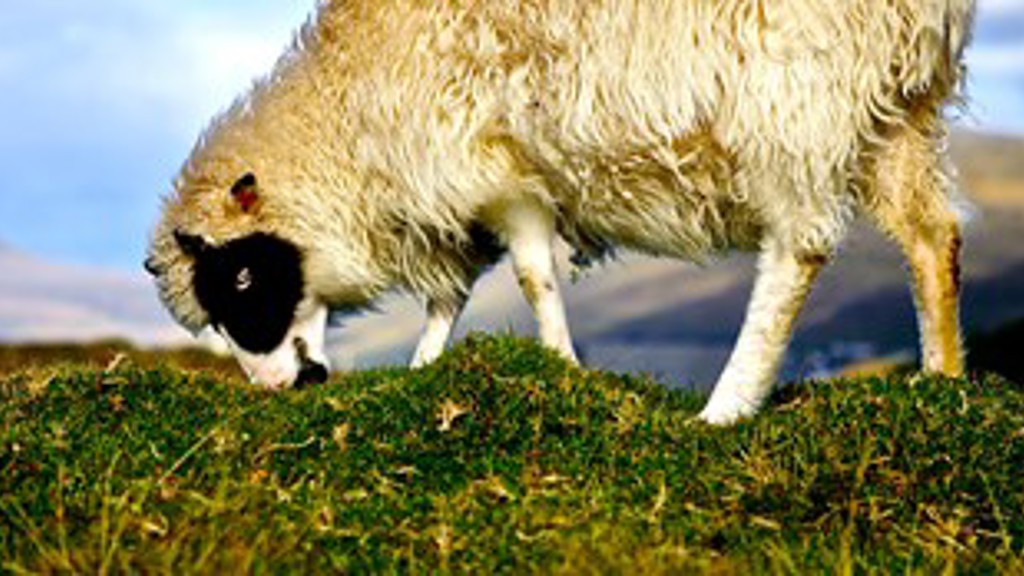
[678, 127]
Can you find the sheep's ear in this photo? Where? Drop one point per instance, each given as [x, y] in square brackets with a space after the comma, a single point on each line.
[191, 244]
[246, 192]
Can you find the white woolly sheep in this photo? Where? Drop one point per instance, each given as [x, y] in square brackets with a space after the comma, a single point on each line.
[405, 145]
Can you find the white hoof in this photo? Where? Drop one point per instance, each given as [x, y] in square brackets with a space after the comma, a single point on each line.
[723, 412]
[419, 361]
[569, 356]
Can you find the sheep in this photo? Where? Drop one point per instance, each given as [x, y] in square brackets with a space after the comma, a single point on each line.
[403, 145]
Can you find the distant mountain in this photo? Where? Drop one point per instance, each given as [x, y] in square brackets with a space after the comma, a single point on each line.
[43, 302]
[670, 318]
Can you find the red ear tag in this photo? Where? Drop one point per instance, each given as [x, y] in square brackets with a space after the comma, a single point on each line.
[246, 198]
[246, 192]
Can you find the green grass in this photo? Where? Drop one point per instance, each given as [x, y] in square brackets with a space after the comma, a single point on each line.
[500, 458]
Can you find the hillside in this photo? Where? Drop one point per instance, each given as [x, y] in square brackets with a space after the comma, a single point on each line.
[501, 458]
[41, 301]
[992, 166]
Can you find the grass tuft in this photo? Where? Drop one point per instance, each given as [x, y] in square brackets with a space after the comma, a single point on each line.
[502, 458]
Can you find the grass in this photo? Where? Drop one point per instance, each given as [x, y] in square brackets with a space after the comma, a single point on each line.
[500, 458]
[41, 359]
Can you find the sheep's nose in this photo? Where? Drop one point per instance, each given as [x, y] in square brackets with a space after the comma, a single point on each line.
[311, 373]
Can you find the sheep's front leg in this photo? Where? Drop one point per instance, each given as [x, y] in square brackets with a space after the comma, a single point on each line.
[441, 318]
[529, 232]
[783, 281]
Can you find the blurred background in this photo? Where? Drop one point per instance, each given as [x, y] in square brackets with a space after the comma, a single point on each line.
[100, 102]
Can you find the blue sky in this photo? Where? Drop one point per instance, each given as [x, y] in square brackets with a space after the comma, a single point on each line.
[100, 101]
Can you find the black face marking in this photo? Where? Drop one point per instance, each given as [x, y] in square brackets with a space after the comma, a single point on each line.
[191, 244]
[151, 267]
[310, 371]
[250, 287]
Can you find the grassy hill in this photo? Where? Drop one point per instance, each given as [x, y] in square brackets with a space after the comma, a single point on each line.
[500, 458]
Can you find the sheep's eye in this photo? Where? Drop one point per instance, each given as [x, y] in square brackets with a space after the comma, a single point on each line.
[244, 280]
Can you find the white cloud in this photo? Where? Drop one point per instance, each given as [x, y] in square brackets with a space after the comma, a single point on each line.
[226, 50]
[999, 59]
[1001, 7]
[223, 61]
[182, 60]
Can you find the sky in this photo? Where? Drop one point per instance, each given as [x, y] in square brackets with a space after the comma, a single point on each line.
[101, 101]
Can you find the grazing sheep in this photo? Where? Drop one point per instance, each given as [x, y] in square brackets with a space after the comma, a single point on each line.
[407, 145]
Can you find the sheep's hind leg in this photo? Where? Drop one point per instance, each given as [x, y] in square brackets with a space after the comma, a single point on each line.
[934, 261]
[441, 318]
[783, 282]
[529, 231]
[910, 197]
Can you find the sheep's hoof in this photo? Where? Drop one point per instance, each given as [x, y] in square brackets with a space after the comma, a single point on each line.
[724, 412]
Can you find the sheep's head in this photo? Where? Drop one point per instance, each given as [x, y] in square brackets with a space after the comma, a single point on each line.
[222, 270]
